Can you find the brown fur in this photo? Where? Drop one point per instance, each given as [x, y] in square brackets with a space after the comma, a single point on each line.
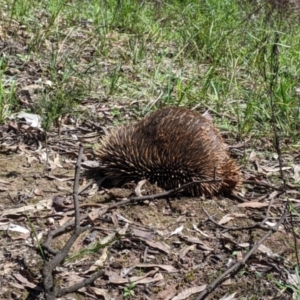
[171, 146]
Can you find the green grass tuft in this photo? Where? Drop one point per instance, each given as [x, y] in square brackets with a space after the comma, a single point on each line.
[211, 54]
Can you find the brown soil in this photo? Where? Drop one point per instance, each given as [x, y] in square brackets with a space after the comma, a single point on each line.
[197, 253]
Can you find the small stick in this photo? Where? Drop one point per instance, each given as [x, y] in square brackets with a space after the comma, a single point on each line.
[51, 291]
[241, 263]
[264, 184]
[161, 195]
[256, 225]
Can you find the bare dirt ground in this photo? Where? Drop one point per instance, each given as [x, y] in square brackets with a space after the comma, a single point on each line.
[168, 247]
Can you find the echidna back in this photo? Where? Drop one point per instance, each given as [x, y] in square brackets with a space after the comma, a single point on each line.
[171, 146]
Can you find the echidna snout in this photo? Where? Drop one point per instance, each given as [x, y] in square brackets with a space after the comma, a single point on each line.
[170, 147]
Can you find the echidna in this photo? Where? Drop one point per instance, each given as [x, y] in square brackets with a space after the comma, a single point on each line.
[170, 147]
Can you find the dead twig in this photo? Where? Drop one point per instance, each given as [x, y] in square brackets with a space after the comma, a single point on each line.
[264, 184]
[256, 225]
[294, 237]
[51, 291]
[274, 66]
[242, 263]
[161, 195]
[91, 182]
